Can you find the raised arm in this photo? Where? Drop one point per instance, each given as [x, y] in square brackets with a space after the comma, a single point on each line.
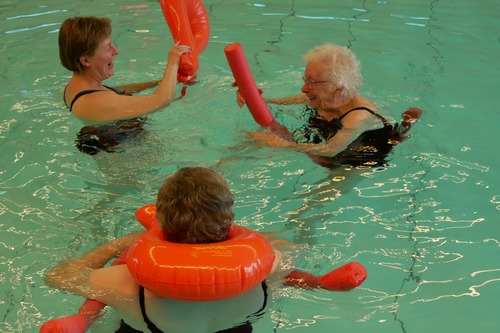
[108, 106]
[134, 88]
[297, 99]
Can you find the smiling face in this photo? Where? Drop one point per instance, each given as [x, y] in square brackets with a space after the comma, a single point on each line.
[100, 64]
[319, 88]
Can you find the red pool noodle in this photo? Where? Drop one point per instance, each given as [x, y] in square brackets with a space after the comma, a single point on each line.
[345, 278]
[246, 84]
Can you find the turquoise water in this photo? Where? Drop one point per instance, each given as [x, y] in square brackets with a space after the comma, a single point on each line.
[426, 228]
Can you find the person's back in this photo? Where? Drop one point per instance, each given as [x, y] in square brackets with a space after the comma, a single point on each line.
[170, 315]
[194, 210]
[194, 206]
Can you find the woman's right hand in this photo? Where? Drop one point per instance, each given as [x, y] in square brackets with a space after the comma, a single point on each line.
[176, 51]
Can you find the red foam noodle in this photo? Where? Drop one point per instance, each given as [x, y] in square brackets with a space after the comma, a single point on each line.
[246, 84]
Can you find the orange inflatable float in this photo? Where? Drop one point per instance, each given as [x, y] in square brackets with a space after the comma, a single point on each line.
[198, 272]
[189, 25]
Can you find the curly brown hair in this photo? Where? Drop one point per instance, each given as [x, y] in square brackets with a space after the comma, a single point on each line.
[195, 205]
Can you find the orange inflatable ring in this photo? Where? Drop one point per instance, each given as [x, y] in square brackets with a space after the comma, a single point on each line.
[198, 272]
[189, 25]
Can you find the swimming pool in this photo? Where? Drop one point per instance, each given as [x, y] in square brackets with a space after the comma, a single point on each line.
[425, 227]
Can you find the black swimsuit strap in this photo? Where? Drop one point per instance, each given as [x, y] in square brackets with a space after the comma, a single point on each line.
[386, 123]
[264, 289]
[152, 327]
[85, 92]
[80, 94]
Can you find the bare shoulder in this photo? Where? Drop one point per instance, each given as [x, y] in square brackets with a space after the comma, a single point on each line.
[97, 105]
[115, 278]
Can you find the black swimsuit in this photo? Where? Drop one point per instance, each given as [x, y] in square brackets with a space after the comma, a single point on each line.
[243, 328]
[369, 149]
[106, 137]
[85, 92]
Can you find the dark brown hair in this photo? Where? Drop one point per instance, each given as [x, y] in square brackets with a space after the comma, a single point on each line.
[80, 36]
[195, 206]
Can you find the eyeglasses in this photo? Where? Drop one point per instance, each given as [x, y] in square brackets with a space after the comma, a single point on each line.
[311, 83]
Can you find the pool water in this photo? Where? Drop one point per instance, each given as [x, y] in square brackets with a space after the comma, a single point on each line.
[426, 227]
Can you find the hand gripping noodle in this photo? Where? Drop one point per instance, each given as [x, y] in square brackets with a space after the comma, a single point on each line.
[246, 84]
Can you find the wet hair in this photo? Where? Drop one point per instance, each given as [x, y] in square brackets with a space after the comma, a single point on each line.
[342, 66]
[195, 205]
[80, 36]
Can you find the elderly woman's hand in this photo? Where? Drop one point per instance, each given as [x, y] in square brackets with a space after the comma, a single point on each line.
[240, 100]
[269, 139]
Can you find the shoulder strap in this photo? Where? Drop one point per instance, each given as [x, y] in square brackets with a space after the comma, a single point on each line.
[152, 327]
[264, 289]
[119, 92]
[384, 121]
[80, 94]
[64, 96]
[85, 92]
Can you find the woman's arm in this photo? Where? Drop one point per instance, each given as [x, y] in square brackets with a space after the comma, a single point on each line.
[343, 278]
[134, 88]
[73, 275]
[331, 148]
[353, 126]
[109, 106]
[297, 99]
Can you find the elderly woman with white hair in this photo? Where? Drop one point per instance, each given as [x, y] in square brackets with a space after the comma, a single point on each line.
[344, 128]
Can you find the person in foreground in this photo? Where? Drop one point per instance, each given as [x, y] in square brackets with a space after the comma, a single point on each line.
[87, 50]
[343, 127]
[194, 206]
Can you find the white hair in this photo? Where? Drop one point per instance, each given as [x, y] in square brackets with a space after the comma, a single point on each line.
[343, 68]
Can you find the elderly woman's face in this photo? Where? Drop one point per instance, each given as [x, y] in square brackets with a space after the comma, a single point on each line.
[317, 85]
[101, 62]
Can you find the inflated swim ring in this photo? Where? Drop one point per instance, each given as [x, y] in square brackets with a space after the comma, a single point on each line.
[189, 25]
[198, 272]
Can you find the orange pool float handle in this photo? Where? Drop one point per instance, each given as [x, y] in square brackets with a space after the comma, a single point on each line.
[188, 23]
